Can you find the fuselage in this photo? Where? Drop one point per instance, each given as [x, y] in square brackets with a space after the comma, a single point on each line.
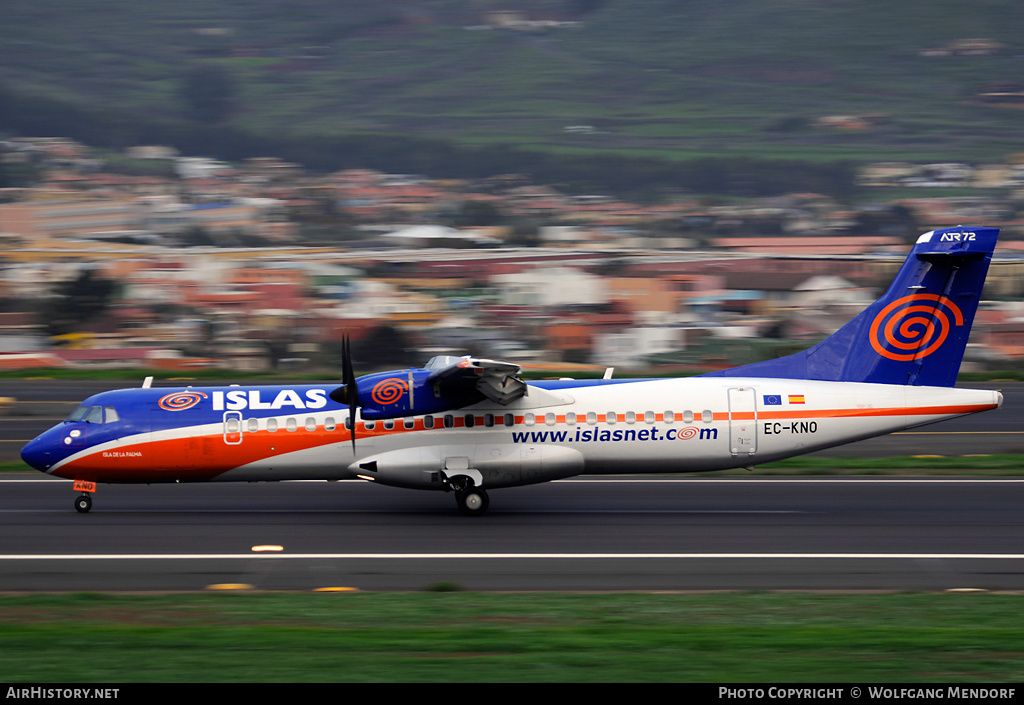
[558, 429]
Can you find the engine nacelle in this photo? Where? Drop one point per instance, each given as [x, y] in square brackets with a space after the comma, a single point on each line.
[391, 395]
[445, 383]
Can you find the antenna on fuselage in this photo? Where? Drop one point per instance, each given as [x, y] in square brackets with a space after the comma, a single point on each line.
[608, 373]
[148, 382]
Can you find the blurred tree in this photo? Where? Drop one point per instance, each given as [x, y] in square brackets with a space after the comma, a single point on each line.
[195, 236]
[208, 93]
[385, 346]
[477, 213]
[77, 302]
[891, 221]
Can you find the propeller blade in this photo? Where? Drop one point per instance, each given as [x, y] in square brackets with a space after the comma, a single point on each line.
[348, 378]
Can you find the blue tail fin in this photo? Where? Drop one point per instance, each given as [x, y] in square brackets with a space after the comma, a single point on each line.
[916, 333]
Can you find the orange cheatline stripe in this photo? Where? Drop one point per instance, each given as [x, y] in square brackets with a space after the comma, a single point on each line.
[881, 411]
[261, 445]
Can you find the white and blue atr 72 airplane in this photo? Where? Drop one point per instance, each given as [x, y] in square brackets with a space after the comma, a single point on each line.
[468, 425]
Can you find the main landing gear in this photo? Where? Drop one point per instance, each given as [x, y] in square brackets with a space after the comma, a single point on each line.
[472, 500]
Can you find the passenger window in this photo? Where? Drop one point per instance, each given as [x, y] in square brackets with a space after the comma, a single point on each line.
[329, 424]
[706, 416]
[449, 421]
[291, 424]
[389, 424]
[669, 416]
[409, 424]
[310, 423]
[610, 417]
[549, 418]
[254, 425]
[687, 416]
[428, 422]
[469, 420]
[510, 420]
[488, 420]
[630, 417]
[648, 417]
[570, 418]
[591, 417]
[528, 419]
[272, 425]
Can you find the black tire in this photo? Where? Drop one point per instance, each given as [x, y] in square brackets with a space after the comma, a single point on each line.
[473, 501]
[83, 503]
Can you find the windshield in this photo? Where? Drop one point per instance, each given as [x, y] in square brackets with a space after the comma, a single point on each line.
[93, 414]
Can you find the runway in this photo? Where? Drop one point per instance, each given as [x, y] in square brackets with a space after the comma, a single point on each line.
[596, 534]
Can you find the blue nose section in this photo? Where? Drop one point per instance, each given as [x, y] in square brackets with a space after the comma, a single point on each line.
[36, 454]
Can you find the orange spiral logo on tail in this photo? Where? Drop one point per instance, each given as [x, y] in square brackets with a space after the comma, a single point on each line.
[917, 325]
[388, 391]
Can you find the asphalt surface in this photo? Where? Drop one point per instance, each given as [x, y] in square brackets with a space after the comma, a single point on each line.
[579, 535]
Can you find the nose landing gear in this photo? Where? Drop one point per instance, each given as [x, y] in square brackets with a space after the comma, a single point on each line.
[83, 502]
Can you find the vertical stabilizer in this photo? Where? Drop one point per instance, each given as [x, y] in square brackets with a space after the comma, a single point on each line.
[916, 333]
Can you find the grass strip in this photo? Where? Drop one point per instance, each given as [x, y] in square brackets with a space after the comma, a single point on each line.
[461, 637]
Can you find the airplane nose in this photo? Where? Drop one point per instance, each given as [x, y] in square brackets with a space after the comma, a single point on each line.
[36, 455]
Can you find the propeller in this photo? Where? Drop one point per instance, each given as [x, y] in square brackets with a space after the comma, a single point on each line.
[349, 392]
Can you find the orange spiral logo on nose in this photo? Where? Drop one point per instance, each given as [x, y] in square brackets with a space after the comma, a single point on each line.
[917, 324]
[388, 391]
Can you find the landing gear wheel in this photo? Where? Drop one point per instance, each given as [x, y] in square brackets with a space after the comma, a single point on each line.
[473, 501]
[83, 503]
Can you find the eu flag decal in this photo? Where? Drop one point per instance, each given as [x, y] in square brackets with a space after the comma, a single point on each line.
[772, 399]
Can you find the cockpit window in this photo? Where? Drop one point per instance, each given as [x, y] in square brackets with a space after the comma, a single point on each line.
[94, 414]
[78, 414]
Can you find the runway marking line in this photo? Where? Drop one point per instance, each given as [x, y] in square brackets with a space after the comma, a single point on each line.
[519, 556]
[32, 477]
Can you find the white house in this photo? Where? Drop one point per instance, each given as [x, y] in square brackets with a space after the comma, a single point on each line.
[551, 286]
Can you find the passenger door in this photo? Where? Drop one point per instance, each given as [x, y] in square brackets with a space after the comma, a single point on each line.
[742, 421]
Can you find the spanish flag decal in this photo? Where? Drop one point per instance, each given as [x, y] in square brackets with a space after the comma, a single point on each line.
[796, 398]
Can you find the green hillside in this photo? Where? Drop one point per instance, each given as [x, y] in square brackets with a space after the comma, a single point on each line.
[664, 78]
